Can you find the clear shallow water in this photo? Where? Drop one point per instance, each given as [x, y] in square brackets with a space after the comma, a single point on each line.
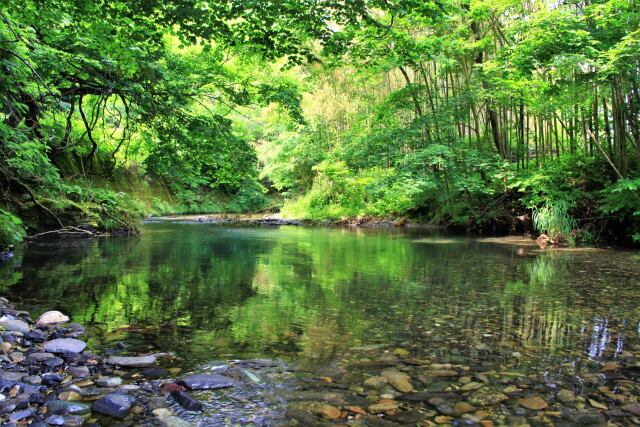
[314, 297]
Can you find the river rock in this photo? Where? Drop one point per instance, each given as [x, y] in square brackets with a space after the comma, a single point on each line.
[52, 317]
[471, 386]
[399, 380]
[165, 417]
[61, 407]
[53, 362]
[535, 403]
[108, 381]
[16, 356]
[78, 371]
[73, 421]
[206, 381]
[566, 396]
[33, 379]
[69, 396]
[113, 405]
[5, 347]
[55, 420]
[65, 345]
[40, 356]
[633, 408]
[375, 382]
[486, 397]
[327, 411]
[15, 325]
[20, 415]
[132, 361]
[186, 401]
[378, 408]
[461, 408]
[12, 376]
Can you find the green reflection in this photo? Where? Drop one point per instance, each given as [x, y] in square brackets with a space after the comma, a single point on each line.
[310, 294]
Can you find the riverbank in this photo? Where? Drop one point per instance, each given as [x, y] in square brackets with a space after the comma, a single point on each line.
[48, 378]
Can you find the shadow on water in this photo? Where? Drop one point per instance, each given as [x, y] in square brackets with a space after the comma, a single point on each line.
[309, 296]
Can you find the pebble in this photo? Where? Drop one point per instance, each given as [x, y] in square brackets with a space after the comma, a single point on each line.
[375, 382]
[78, 371]
[69, 395]
[383, 407]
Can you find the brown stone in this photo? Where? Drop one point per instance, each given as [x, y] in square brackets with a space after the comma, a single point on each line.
[328, 412]
[536, 403]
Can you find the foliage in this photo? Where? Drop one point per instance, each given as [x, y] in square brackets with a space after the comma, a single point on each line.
[11, 230]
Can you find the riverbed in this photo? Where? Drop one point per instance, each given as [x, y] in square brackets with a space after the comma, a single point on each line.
[324, 318]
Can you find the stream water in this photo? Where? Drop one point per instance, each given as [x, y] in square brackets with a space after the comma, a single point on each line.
[328, 308]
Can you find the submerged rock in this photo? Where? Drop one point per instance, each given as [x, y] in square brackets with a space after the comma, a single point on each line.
[61, 407]
[113, 405]
[206, 381]
[132, 361]
[65, 345]
[186, 401]
[535, 403]
[486, 397]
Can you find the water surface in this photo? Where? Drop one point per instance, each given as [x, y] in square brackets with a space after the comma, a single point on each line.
[310, 296]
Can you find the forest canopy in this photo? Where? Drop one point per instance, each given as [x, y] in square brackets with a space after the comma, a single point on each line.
[481, 115]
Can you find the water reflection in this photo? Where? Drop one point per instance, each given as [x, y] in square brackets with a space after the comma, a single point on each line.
[311, 294]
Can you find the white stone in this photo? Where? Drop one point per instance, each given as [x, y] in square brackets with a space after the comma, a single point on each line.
[52, 317]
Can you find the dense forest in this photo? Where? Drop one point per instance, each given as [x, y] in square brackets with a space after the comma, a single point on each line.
[481, 115]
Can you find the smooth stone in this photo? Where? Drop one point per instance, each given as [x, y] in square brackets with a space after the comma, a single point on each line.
[20, 415]
[535, 403]
[65, 345]
[53, 362]
[399, 380]
[471, 386]
[462, 408]
[383, 407]
[55, 420]
[15, 325]
[186, 401]
[375, 382]
[16, 356]
[52, 317]
[206, 381]
[12, 376]
[132, 361]
[108, 381]
[78, 371]
[113, 405]
[73, 421]
[61, 407]
[633, 408]
[327, 412]
[69, 396]
[33, 379]
[40, 356]
[5, 347]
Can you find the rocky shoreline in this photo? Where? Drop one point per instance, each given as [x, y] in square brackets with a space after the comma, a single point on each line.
[48, 379]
